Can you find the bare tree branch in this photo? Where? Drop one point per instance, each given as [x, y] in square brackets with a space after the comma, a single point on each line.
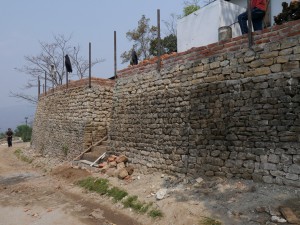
[28, 98]
[53, 54]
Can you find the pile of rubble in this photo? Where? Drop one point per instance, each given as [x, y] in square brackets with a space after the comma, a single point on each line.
[117, 166]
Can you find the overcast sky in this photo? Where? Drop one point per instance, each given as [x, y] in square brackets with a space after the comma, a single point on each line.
[24, 23]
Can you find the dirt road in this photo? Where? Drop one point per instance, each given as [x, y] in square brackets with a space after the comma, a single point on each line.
[29, 196]
[42, 194]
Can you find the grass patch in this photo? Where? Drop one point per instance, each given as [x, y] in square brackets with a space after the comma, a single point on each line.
[21, 156]
[65, 150]
[102, 187]
[209, 221]
[154, 213]
[117, 193]
[97, 185]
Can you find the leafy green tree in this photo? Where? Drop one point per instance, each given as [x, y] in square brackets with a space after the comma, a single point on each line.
[24, 131]
[141, 36]
[190, 7]
[168, 45]
[2, 135]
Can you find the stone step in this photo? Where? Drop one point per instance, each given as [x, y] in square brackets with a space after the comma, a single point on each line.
[85, 164]
[94, 154]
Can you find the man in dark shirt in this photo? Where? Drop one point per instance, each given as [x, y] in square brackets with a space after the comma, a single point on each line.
[9, 135]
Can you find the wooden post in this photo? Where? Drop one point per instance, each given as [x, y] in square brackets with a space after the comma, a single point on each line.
[158, 41]
[90, 64]
[115, 54]
[250, 38]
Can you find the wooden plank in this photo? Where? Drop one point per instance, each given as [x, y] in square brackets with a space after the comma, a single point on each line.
[89, 148]
[86, 162]
[100, 157]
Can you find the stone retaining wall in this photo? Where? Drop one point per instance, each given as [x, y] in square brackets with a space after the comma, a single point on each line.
[218, 110]
[67, 121]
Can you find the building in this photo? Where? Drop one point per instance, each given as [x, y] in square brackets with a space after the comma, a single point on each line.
[202, 27]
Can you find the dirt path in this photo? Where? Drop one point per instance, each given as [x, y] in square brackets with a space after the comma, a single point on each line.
[29, 196]
[40, 193]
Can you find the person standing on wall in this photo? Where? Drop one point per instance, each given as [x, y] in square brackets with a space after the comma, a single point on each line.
[258, 11]
[9, 135]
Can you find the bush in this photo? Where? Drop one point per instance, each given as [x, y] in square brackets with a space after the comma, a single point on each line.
[24, 131]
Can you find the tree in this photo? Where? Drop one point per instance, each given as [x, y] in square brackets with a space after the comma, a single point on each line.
[168, 45]
[190, 7]
[23, 131]
[53, 54]
[171, 24]
[141, 36]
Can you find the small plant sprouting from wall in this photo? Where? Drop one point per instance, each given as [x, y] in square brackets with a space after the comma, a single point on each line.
[65, 150]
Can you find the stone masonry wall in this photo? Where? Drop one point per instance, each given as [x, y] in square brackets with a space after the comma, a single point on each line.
[69, 120]
[218, 110]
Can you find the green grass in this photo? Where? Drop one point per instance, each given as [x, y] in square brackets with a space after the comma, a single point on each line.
[154, 213]
[209, 221]
[97, 185]
[21, 156]
[102, 187]
[65, 150]
[117, 193]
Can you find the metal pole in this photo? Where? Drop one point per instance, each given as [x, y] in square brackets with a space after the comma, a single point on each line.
[158, 41]
[90, 64]
[250, 38]
[67, 81]
[115, 54]
[45, 82]
[39, 87]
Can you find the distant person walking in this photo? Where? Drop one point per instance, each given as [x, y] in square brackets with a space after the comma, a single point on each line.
[9, 135]
[258, 11]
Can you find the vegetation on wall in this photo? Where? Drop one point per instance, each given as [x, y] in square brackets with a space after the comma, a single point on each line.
[190, 7]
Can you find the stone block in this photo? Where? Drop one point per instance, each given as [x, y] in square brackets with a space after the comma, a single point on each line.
[291, 176]
[266, 55]
[294, 169]
[267, 179]
[286, 51]
[276, 68]
[290, 66]
[262, 71]
[288, 43]
[273, 158]
[268, 166]
[283, 59]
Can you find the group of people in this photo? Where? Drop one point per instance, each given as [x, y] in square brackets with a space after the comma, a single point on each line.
[258, 11]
